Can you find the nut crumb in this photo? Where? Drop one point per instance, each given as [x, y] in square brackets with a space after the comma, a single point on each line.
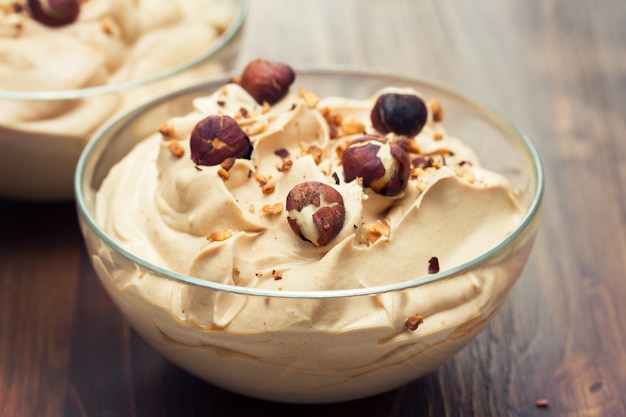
[311, 99]
[275, 208]
[261, 179]
[176, 148]
[413, 322]
[286, 165]
[223, 173]
[352, 127]
[219, 235]
[236, 271]
[167, 129]
[409, 145]
[541, 403]
[436, 110]
[315, 151]
[437, 136]
[268, 188]
[374, 231]
[433, 265]
[254, 129]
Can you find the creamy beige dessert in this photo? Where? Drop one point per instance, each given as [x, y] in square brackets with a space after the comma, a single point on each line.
[267, 187]
[71, 44]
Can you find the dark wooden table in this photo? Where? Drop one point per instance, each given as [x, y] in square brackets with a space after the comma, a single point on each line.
[555, 67]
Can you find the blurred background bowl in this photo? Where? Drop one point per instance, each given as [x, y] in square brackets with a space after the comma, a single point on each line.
[43, 129]
[314, 362]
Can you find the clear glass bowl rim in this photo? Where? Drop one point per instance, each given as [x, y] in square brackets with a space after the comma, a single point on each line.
[221, 42]
[491, 114]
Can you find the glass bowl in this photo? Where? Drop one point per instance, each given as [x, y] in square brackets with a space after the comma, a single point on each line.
[45, 124]
[353, 342]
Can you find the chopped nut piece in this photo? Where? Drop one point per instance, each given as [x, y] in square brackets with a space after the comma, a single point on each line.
[541, 403]
[224, 174]
[261, 179]
[435, 108]
[311, 99]
[219, 235]
[437, 136]
[286, 165]
[268, 188]
[341, 148]
[275, 208]
[374, 231]
[166, 129]
[265, 107]
[433, 265]
[409, 145]
[176, 148]
[315, 151]
[254, 129]
[352, 127]
[413, 322]
[282, 153]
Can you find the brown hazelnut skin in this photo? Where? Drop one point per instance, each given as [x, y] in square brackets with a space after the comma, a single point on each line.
[324, 212]
[54, 13]
[217, 138]
[267, 81]
[362, 159]
[402, 114]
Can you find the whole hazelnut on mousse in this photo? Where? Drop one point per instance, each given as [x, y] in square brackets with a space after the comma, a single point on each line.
[54, 13]
[402, 114]
[381, 164]
[316, 212]
[217, 138]
[267, 81]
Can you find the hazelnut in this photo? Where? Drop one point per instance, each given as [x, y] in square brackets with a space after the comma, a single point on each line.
[402, 114]
[315, 212]
[267, 81]
[382, 165]
[54, 13]
[217, 138]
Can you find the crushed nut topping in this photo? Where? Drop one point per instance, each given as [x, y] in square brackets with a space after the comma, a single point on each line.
[286, 165]
[437, 136]
[433, 265]
[315, 151]
[167, 129]
[436, 110]
[219, 235]
[374, 231]
[409, 145]
[223, 174]
[176, 148]
[271, 209]
[413, 322]
[261, 179]
[352, 127]
[254, 129]
[268, 188]
[282, 153]
[311, 99]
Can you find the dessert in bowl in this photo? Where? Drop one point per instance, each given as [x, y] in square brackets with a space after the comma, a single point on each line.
[309, 240]
[67, 66]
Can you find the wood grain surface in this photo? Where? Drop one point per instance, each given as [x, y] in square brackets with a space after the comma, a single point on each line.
[555, 67]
